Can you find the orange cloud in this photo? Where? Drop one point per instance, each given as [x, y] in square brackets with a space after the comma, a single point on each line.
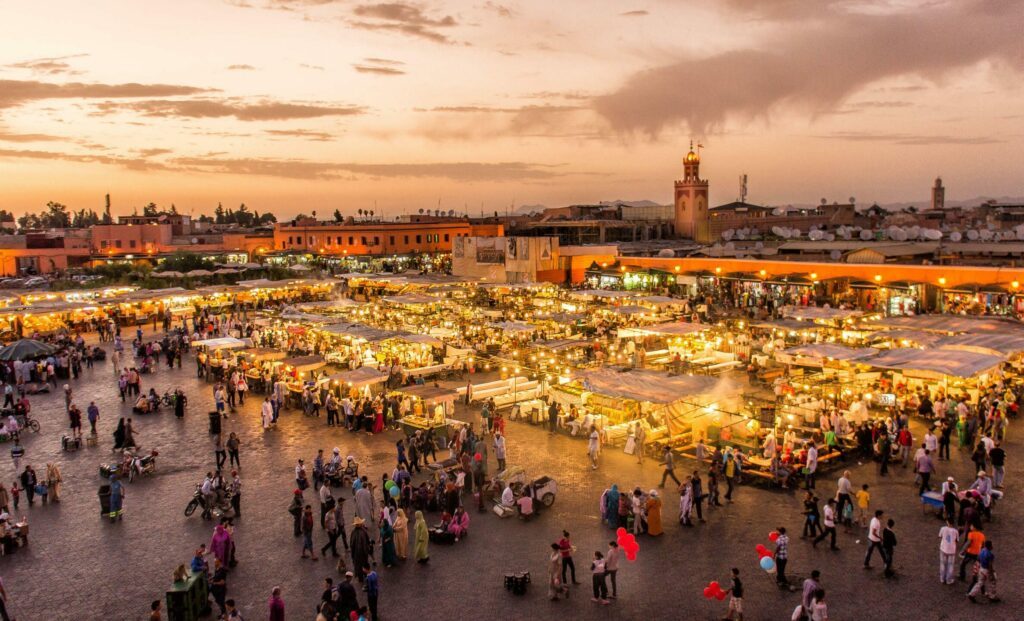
[18, 92]
[211, 108]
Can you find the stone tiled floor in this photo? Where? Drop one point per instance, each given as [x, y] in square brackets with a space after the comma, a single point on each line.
[79, 566]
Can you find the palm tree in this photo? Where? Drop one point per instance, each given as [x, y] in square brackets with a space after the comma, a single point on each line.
[360, 212]
[371, 214]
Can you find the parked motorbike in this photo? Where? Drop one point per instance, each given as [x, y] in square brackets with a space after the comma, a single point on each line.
[216, 509]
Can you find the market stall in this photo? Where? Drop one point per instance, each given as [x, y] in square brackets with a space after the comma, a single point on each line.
[430, 408]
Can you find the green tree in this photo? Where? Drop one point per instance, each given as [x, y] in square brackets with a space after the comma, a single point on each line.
[150, 210]
[107, 218]
[219, 214]
[337, 216]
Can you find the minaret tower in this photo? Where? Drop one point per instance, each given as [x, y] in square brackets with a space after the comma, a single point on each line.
[691, 197]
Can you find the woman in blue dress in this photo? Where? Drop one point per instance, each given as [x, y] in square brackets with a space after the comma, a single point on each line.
[116, 497]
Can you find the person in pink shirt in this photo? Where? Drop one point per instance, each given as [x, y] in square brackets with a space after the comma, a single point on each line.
[276, 605]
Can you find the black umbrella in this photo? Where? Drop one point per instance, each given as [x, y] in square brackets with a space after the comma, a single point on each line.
[26, 349]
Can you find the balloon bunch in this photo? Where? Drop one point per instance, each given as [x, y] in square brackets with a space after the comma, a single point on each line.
[714, 591]
[765, 555]
[627, 541]
[393, 489]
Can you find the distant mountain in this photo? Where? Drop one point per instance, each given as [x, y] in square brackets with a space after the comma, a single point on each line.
[641, 203]
[525, 210]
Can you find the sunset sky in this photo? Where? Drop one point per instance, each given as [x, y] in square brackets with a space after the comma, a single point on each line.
[301, 105]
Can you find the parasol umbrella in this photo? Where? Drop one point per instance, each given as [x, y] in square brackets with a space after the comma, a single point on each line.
[26, 349]
[298, 268]
[225, 270]
[168, 274]
[199, 273]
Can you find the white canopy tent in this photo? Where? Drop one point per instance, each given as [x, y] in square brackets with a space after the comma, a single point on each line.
[358, 378]
[645, 385]
[937, 363]
[819, 313]
[514, 327]
[672, 328]
[819, 354]
[225, 342]
[996, 343]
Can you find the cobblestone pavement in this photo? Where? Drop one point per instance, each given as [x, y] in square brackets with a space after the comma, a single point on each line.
[79, 566]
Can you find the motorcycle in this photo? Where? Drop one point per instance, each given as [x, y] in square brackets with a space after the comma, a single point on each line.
[130, 466]
[216, 509]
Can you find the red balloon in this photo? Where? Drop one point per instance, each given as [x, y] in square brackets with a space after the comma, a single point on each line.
[714, 586]
[764, 553]
[708, 593]
[631, 555]
[773, 536]
[620, 532]
[720, 595]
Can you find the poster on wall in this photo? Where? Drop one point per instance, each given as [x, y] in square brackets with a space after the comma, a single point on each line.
[459, 248]
[517, 249]
[490, 250]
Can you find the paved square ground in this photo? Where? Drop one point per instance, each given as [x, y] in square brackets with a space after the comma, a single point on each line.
[79, 566]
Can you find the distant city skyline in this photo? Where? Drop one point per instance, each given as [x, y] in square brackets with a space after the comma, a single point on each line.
[299, 105]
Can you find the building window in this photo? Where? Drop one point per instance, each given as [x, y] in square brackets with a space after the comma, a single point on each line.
[117, 243]
[446, 236]
[362, 240]
[289, 240]
[131, 243]
[376, 241]
[391, 240]
[103, 244]
[407, 239]
[312, 240]
[351, 241]
[419, 239]
[339, 240]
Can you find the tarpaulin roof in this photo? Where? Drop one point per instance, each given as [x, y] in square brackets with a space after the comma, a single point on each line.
[937, 362]
[429, 394]
[514, 326]
[263, 353]
[818, 313]
[660, 300]
[305, 363]
[672, 328]
[363, 376]
[424, 339]
[832, 351]
[950, 324]
[220, 343]
[629, 309]
[601, 293]
[920, 337]
[645, 385]
[360, 331]
[785, 324]
[1000, 344]
[409, 299]
[562, 344]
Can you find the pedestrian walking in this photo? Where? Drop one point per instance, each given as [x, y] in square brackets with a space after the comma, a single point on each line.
[307, 533]
[889, 547]
[275, 606]
[735, 592]
[781, 557]
[220, 455]
[611, 567]
[556, 586]
[874, 539]
[236, 493]
[830, 525]
[948, 539]
[372, 592]
[985, 580]
[93, 413]
[233, 445]
[668, 462]
[597, 569]
[17, 452]
[640, 436]
[593, 447]
[566, 548]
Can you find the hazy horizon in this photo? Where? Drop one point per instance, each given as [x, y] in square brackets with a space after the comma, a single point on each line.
[298, 105]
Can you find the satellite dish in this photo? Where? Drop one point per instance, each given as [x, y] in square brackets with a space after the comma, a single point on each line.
[972, 235]
[830, 237]
[194, 240]
[901, 235]
[853, 201]
[814, 235]
[955, 236]
[914, 232]
[759, 245]
[727, 234]
[741, 234]
[933, 234]
[666, 253]
[755, 232]
[866, 235]
[1020, 235]
[777, 231]
[835, 254]
[986, 234]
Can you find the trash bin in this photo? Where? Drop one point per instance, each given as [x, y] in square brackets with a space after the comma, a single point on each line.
[104, 495]
[214, 423]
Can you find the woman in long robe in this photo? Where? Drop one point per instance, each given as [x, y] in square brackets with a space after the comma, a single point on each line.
[611, 507]
[220, 544]
[654, 514]
[388, 556]
[119, 435]
[360, 546]
[55, 481]
[116, 497]
[401, 528]
[422, 537]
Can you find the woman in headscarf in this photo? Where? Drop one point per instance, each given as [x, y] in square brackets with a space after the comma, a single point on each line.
[611, 507]
[422, 537]
[654, 514]
[401, 528]
[388, 555]
[685, 502]
[54, 481]
[459, 525]
[129, 435]
[220, 544]
[119, 435]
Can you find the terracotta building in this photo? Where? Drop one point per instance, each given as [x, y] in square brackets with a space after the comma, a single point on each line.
[376, 238]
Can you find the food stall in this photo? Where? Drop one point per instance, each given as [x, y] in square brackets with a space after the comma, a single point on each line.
[431, 407]
[355, 383]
